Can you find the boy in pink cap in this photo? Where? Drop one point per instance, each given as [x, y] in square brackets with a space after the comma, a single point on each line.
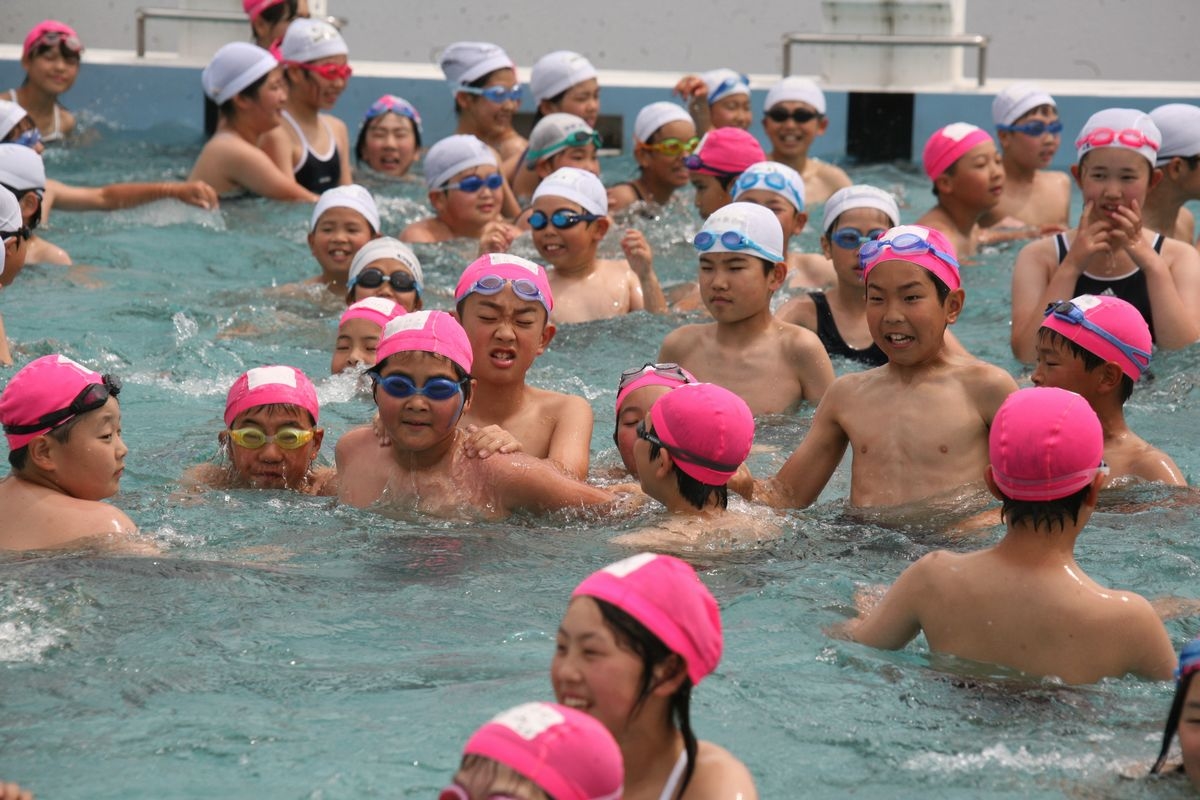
[1099, 347]
[423, 388]
[637, 637]
[50, 57]
[883, 414]
[504, 303]
[539, 750]
[63, 426]
[968, 181]
[271, 436]
[1046, 467]
[1111, 251]
[722, 155]
[359, 331]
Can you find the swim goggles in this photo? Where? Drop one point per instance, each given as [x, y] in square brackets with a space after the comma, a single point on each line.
[574, 139]
[667, 370]
[456, 792]
[904, 243]
[401, 386]
[734, 240]
[1034, 127]
[330, 72]
[674, 147]
[694, 163]
[522, 288]
[55, 38]
[30, 138]
[727, 86]
[91, 397]
[1130, 137]
[287, 438]
[1067, 311]
[563, 218]
[800, 115]
[772, 180]
[494, 94]
[679, 454]
[853, 238]
[390, 104]
[1189, 660]
[373, 278]
[24, 232]
[473, 183]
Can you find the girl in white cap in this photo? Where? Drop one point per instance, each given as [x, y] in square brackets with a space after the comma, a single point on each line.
[718, 98]
[486, 94]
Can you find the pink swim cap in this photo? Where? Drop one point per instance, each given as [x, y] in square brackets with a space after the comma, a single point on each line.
[668, 598]
[925, 247]
[1044, 444]
[43, 386]
[707, 429]
[570, 755]
[379, 310]
[949, 144]
[1107, 327]
[507, 268]
[265, 386]
[667, 374]
[427, 331]
[725, 151]
[255, 8]
[70, 37]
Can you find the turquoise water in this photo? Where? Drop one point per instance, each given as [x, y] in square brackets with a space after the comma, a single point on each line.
[286, 647]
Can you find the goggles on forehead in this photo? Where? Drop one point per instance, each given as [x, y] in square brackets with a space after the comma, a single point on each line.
[522, 288]
[56, 38]
[494, 94]
[330, 72]
[286, 438]
[90, 398]
[904, 243]
[573, 139]
[733, 240]
[1067, 311]
[674, 147]
[1034, 127]
[772, 180]
[561, 219]
[473, 183]
[695, 163]
[401, 386]
[727, 85]
[1130, 137]
[392, 105]
[667, 370]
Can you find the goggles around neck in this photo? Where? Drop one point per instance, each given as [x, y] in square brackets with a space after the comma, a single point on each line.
[853, 238]
[1068, 312]
[401, 386]
[679, 454]
[904, 243]
[668, 370]
[473, 183]
[522, 288]
[674, 147]
[90, 398]
[1034, 127]
[373, 278]
[1130, 137]
[735, 241]
[286, 438]
[772, 180]
[330, 72]
[799, 115]
[562, 218]
[573, 139]
[494, 94]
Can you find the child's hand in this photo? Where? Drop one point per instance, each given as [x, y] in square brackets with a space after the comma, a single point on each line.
[1092, 237]
[637, 252]
[1127, 226]
[380, 433]
[497, 237]
[11, 791]
[482, 442]
[197, 193]
[692, 86]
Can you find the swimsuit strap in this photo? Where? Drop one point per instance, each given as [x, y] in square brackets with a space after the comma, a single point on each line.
[1158, 243]
[668, 791]
[1060, 241]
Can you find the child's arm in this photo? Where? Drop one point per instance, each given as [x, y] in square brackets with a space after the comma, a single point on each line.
[253, 170]
[1146, 640]
[571, 442]
[895, 620]
[6, 359]
[277, 144]
[127, 195]
[802, 477]
[1173, 282]
[694, 91]
[524, 483]
[498, 235]
[810, 363]
[641, 261]
[342, 136]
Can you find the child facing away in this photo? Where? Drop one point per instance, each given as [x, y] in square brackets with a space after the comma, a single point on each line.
[63, 425]
[246, 82]
[313, 147]
[343, 221]
[1179, 161]
[50, 57]
[466, 191]
[793, 119]
[390, 137]
[385, 267]
[1046, 466]
[557, 140]
[663, 135]
[271, 439]
[720, 157]
[1036, 200]
[719, 98]
[772, 365]
[637, 637]
[486, 92]
[359, 331]
[1184, 706]
[423, 387]
[569, 220]
[539, 751]
[1111, 251]
[1098, 347]
[884, 414]
[504, 303]
[968, 181]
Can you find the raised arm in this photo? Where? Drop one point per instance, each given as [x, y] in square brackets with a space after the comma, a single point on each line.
[641, 261]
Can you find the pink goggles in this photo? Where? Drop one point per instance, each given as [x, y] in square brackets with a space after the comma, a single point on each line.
[456, 792]
[1103, 137]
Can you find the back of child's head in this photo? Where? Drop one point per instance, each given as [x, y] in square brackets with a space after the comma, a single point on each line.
[554, 133]
[1045, 448]
[745, 228]
[48, 396]
[354, 197]
[947, 145]
[384, 247]
[1102, 328]
[310, 40]
[21, 168]
[708, 430]
[492, 272]
[237, 67]
[272, 386]
[1185, 673]
[564, 752]
[1179, 124]
[575, 186]
[796, 89]
[10, 115]
[1124, 128]
[435, 332]
[655, 116]
[725, 153]
[454, 154]
[1017, 100]
[771, 176]
[928, 248]
[860, 195]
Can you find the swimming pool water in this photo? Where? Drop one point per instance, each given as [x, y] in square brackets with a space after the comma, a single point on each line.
[287, 647]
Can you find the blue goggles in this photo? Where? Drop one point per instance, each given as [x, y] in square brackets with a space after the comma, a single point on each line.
[725, 87]
[473, 183]
[1189, 660]
[494, 94]
[574, 139]
[1035, 127]
[904, 243]
[733, 241]
[853, 238]
[522, 288]
[773, 181]
[1067, 311]
[401, 386]
[30, 138]
[563, 218]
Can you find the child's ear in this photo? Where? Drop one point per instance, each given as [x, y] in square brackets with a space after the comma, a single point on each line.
[437, 201]
[827, 247]
[944, 184]
[954, 305]
[662, 467]
[1156, 176]
[1109, 377]
[543, 168]
[777, 275]
[41, 455]
[800, 221]
[668, 675]
[1075, 175]
[642, 155]
[547, 336]
[600, 228]
[822, 125]
[318, 437]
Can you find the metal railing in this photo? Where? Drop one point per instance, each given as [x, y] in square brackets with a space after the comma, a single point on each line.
[142, 14]
[963, 40]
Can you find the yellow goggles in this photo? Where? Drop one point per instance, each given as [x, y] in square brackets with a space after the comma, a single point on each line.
[287, 438]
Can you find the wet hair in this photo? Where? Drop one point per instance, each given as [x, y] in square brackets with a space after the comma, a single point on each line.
[636, 637]
[1091, 361]
[1044, 513]
[556, 100]
[516, 783]
[362, 134]
[478, 83]
[948, 171]
[283, 408]
[460, 374]
[692, 490]
[18, 458]
[226, 109]
[1044, 108]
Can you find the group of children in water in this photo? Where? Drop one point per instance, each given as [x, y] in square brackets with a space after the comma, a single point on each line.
[459, 432]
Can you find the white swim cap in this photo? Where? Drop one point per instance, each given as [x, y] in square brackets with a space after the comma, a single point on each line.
[756, 224]
[463, 62]
[556, 72]
[385, 247]
[654, 116]
[21, 167]
[354, 197]
[1126, 128]
[1179, 124]
[10, 115]
[10, 218]
[1017, 100]
[555, 133]
[577, 186]
[773, 177]
[723, 82]
[796, 89]
[311, 39]
[859, 196]
[234, 67]
[454, 154]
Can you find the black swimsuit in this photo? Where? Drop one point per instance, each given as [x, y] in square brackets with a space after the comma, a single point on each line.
[831, 337]
[315, 173]
[1130, 287]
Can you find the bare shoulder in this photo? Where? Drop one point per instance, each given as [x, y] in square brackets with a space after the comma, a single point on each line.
[354, 441]
[799, 310]
[719, 775]
[1042, 252]
[205, 476]
[686, 339]
[799, 341]
[558, 405]
[336, 123]
[1180, 254]
[422, 231]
